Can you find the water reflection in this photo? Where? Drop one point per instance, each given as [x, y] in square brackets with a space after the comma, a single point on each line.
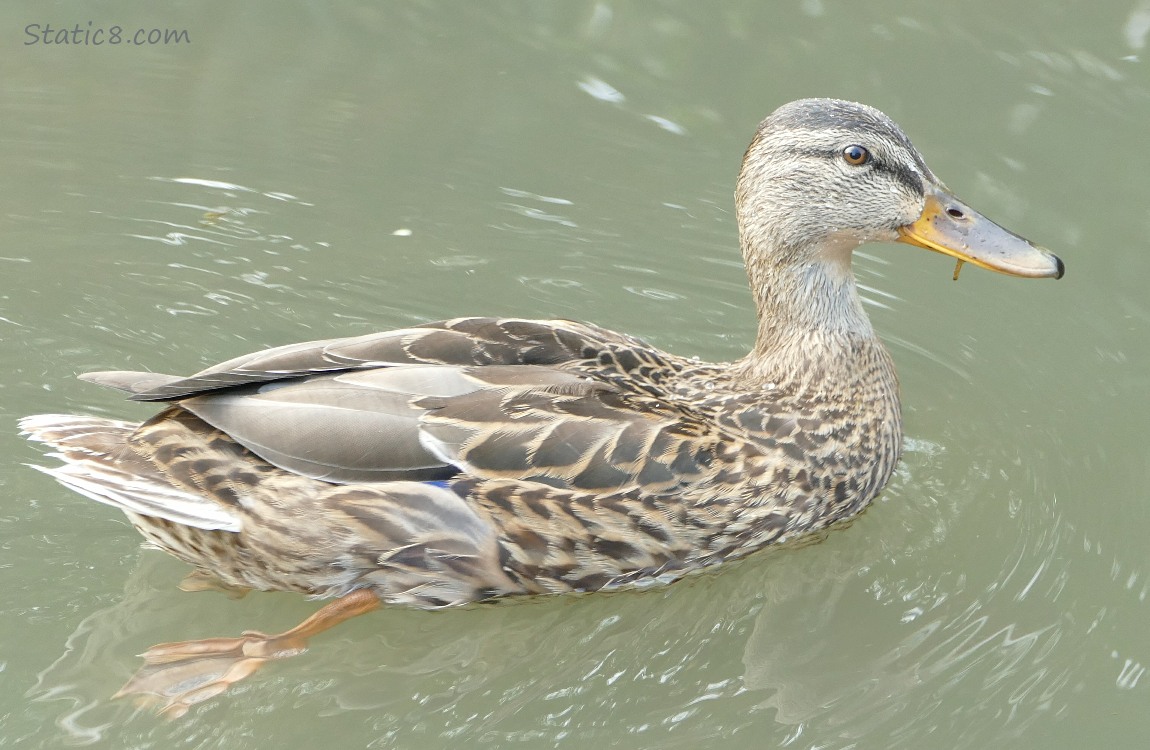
[932, 639]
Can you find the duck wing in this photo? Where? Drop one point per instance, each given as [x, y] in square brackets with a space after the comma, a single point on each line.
[462, 341]
[553, 402]
[432, 422]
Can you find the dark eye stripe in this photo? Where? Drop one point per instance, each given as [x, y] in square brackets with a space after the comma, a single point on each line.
[906, 176]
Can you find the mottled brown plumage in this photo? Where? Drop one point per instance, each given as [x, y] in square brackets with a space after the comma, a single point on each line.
[476, 458]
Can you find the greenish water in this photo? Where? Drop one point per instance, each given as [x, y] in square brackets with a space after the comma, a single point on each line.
[375, 165]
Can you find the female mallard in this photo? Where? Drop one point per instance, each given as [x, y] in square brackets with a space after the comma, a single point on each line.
[476, 458]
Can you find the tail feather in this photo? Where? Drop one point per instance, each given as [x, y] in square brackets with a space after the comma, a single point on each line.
[131, 382]
[76, 437]
[99, 464]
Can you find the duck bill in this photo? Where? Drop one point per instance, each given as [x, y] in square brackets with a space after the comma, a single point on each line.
[950, 227]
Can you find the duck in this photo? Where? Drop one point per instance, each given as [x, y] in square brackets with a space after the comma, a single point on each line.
[481, 458]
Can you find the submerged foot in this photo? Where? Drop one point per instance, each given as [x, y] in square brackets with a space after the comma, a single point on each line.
[177, 676]
[199, 580]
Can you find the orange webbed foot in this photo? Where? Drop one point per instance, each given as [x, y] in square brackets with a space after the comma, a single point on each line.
[177, 676]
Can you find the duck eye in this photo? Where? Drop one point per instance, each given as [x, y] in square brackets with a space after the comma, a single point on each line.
[856, 155]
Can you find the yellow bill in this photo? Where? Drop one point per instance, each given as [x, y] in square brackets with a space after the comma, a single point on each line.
[949, 226]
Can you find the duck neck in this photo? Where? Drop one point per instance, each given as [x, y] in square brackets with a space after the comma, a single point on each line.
[810, 315]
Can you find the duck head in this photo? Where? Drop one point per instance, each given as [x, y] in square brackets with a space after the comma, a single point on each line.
[823, 176]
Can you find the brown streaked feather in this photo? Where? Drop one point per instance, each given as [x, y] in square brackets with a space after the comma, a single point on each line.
[99, 463]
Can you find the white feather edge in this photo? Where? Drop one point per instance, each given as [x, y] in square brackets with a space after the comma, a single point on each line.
[134, 495]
